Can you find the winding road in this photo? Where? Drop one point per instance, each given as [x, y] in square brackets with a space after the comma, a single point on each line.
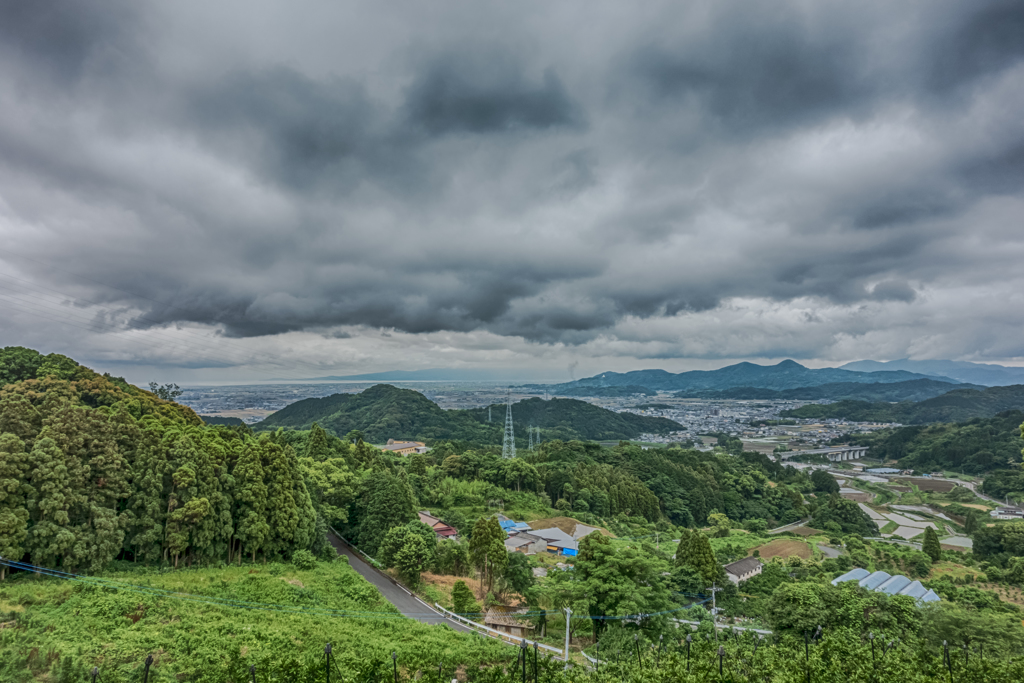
[403, 601]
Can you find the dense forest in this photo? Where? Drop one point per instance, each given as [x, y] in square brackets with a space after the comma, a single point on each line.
[975, 446]
[954, 406]
[92, 469]
[385, 412]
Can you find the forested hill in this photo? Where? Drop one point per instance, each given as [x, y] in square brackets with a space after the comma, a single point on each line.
[92, 468]
[958, 405]
[385, 412]
[975, 446]
[567, 418]
[910, 390]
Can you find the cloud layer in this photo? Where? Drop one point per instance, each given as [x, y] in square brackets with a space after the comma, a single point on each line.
[527, 185]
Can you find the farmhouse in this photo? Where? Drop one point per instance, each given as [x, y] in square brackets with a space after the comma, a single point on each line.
[525, 543]
[1007, 513]
[440, 528]
[744, 569]
[558, 542]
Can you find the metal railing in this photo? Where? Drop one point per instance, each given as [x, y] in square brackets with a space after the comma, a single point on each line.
[487, 630]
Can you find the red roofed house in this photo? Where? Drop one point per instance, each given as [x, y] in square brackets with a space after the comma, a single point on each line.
[440, 528]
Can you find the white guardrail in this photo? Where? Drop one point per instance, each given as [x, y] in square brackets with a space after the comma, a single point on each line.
[508, 638]
[730, 627]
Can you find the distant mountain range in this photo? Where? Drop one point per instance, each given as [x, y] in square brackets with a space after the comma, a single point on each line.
[911, 390]
[973, 373]
[786, 375]
[385, 412]
[958, 405]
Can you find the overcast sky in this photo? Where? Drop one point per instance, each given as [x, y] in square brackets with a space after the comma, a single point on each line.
[200, 191]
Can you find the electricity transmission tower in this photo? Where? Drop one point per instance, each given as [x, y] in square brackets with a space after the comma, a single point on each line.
[488, 413]
[508, 446]
[529, 431]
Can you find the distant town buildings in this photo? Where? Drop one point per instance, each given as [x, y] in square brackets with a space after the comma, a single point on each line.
[1007, 513]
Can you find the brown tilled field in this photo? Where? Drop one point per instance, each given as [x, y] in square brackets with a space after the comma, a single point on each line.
[785, 547]
[566, 524]
[929, 485]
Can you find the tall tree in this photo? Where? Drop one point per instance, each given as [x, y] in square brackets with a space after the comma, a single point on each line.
[49, 537]
[14, 469]
[388, 505]
[488, 552]
[697, 553]
[317, 444]
[930, 545]
[251, 528]
[616, 582]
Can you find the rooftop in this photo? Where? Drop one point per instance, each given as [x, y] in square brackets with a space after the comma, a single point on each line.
[744, 566]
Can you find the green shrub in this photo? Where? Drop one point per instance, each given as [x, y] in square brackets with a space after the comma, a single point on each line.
[304, 560]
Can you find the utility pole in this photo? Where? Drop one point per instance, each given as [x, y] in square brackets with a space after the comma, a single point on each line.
[714, 608]
[568, 614]
[508, 446]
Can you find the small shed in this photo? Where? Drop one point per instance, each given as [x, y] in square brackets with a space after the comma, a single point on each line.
[508, 620]
[744, 569]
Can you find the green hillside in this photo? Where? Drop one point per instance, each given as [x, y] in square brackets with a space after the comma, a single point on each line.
[958, 405]
[911, 390]
[566, 419]
[385, 412]
[975, 446]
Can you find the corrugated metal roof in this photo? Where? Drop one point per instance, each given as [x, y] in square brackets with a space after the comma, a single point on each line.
[873, 581]
[855, 574]
[914, 590]
[744, 566]
[890, 585]
[894, 585]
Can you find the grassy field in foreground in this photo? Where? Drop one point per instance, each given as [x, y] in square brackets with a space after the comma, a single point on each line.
[49, 622]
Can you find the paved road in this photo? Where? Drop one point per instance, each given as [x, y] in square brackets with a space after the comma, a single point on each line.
[829, 552]
[789, 527]
[406, 604]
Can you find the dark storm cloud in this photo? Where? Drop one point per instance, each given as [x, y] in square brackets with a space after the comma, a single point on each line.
[485, 93]
[64, 38]
[986, 39]
[754, 65]
[522, 174]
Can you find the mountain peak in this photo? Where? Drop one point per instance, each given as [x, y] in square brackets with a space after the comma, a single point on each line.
[789, 363]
